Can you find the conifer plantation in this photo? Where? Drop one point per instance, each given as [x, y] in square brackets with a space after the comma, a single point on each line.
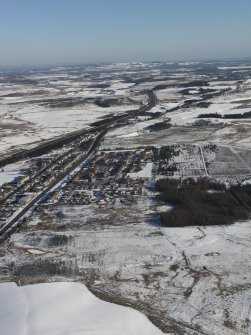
[203, 202]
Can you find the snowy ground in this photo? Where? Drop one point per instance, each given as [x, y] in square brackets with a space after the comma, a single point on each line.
[146, 172]
[65, 309]
[39, 105]
[7, 177]
[185, 280]
[237, 135]
[10, 172]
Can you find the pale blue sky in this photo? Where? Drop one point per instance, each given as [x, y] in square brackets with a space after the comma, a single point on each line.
[34, 32]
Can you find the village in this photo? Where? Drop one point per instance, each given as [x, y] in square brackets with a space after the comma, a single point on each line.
[107, 176]
[102, 178]
[37, 174]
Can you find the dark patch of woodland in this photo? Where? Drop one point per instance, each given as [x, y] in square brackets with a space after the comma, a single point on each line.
[186, 91]
[210, 115]
[190, 103]
[206, 90]
[153, 115]
[100, 86]
[211, 147]
[159, 126]
[13, 95]
[216, 94]
[246, 115]
[85, 145]
[205, 123]
[194, 83]
[203, 104]
[58, 240]
[104, 121]
[166, 167]
[106, 103]
[168, 152]
[203, 202]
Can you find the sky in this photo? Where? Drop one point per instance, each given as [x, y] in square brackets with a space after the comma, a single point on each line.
[44, 32]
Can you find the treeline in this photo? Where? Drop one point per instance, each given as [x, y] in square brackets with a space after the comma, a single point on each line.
[203, 202]
[226, 116]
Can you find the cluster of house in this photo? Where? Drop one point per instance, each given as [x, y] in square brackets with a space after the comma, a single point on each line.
[104, 178]
[39, 174]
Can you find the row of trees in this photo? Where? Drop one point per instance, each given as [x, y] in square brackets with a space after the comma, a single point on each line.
[246, 115]
[203, 202]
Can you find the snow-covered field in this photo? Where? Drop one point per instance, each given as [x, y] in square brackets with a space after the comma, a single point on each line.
[40, 105]
[65, 309]
[189, 280]
[42, 123]
[7, 177]
[10, 172]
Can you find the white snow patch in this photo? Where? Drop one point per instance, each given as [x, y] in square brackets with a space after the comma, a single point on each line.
[145, 173]
[225, 131]
[36, 251]
[135, 133]
[243, 67]
[165, 208]
[10, 172]
[65, 309]
[7, 177]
